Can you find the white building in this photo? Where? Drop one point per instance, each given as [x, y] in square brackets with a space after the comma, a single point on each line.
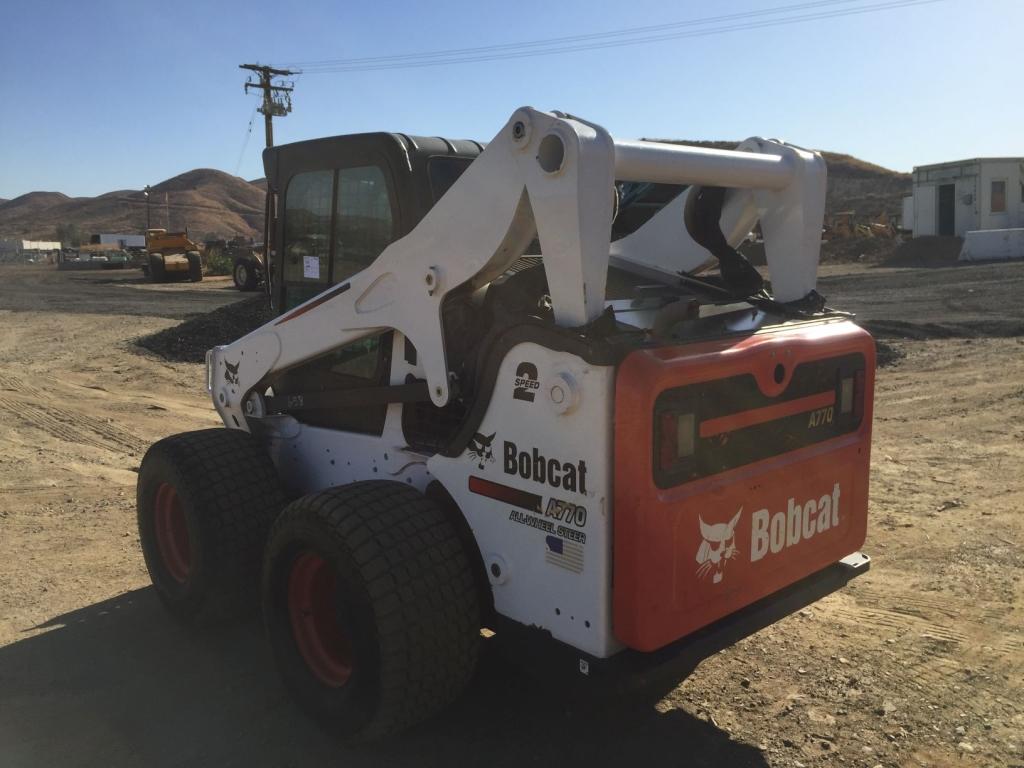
[16, 249]
[121, 241]
[967, 195]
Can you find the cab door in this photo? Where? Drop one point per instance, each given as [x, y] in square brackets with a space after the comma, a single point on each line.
[334, 223]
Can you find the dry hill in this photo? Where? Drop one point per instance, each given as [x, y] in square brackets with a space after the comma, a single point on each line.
[853, 184]
[212, 203]
[209, 203]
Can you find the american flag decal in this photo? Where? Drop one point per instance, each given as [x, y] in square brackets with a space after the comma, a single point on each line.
[564, 554]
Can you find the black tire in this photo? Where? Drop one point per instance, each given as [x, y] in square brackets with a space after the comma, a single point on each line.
[195, 266]
[399, 596]
[228, 494]
[156, 268]
[245, 275]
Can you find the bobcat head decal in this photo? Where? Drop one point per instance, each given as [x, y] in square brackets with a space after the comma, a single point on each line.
[480, 448]
[231, 372]
[718, 546]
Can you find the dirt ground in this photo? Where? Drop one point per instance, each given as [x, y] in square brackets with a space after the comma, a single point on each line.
[918, 662]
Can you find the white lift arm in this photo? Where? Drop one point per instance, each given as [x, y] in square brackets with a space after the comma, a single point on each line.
[543, 175]
[781, 185]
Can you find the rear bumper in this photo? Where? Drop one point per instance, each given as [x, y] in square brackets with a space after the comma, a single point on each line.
[630, 668]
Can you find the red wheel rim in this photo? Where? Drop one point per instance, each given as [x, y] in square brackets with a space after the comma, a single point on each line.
[171, 531]
[323, 643]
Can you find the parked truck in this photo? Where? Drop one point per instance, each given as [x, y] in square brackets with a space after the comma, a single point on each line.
[248, 267]
[170, 255]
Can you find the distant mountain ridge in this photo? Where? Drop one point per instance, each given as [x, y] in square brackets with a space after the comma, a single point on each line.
[214, 204]
[207, 202]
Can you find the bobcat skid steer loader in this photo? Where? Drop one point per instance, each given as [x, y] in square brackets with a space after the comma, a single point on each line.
[503, 391]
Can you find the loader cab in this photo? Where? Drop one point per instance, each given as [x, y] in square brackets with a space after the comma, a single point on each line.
[336, 203]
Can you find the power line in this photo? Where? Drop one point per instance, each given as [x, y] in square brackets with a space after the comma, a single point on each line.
[245, 143]
[522, 50]
[572, 38]
[196, 206]
[517, 54]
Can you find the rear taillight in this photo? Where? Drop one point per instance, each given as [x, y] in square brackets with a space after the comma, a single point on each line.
[676, 438]
[846, 395]
[851, 395]
[858, 395]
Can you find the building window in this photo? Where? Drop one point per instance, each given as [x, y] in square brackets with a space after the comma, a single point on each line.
[363, 224]
[998, 203]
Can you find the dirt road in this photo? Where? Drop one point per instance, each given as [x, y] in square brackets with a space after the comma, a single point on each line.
[937, 303]
[919, 662]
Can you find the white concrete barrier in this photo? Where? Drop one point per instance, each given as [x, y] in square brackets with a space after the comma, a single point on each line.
[993, 244]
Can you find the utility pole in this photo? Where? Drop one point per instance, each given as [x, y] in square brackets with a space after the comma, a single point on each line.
[277, 99]
[146, 193]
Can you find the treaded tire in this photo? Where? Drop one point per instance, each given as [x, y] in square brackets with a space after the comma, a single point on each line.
[244, 275]
[403, 595]
[228, 493]
[195, 266]
[157, 273]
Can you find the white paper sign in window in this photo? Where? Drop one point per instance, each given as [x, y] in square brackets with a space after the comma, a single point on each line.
[311, 267]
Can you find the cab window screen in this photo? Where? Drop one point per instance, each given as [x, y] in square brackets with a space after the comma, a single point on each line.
[307, 233]
[365, 363]
[364, 224]
[639, 202]
[445, 171]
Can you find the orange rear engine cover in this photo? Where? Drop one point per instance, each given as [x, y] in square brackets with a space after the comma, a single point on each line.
[741, 466]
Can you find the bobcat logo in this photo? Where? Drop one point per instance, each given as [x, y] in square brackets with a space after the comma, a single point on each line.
[480, 448]
[231, 372]
[719, 545]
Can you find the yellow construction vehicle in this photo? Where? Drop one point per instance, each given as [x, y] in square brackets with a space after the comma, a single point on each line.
[171, 254]
[840, 226]
[843, 225]
[883, 227]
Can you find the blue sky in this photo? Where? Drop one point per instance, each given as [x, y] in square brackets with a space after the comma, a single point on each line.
[115, 94]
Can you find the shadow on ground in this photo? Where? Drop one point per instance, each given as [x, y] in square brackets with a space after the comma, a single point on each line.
[120, 683]
[40, 288]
